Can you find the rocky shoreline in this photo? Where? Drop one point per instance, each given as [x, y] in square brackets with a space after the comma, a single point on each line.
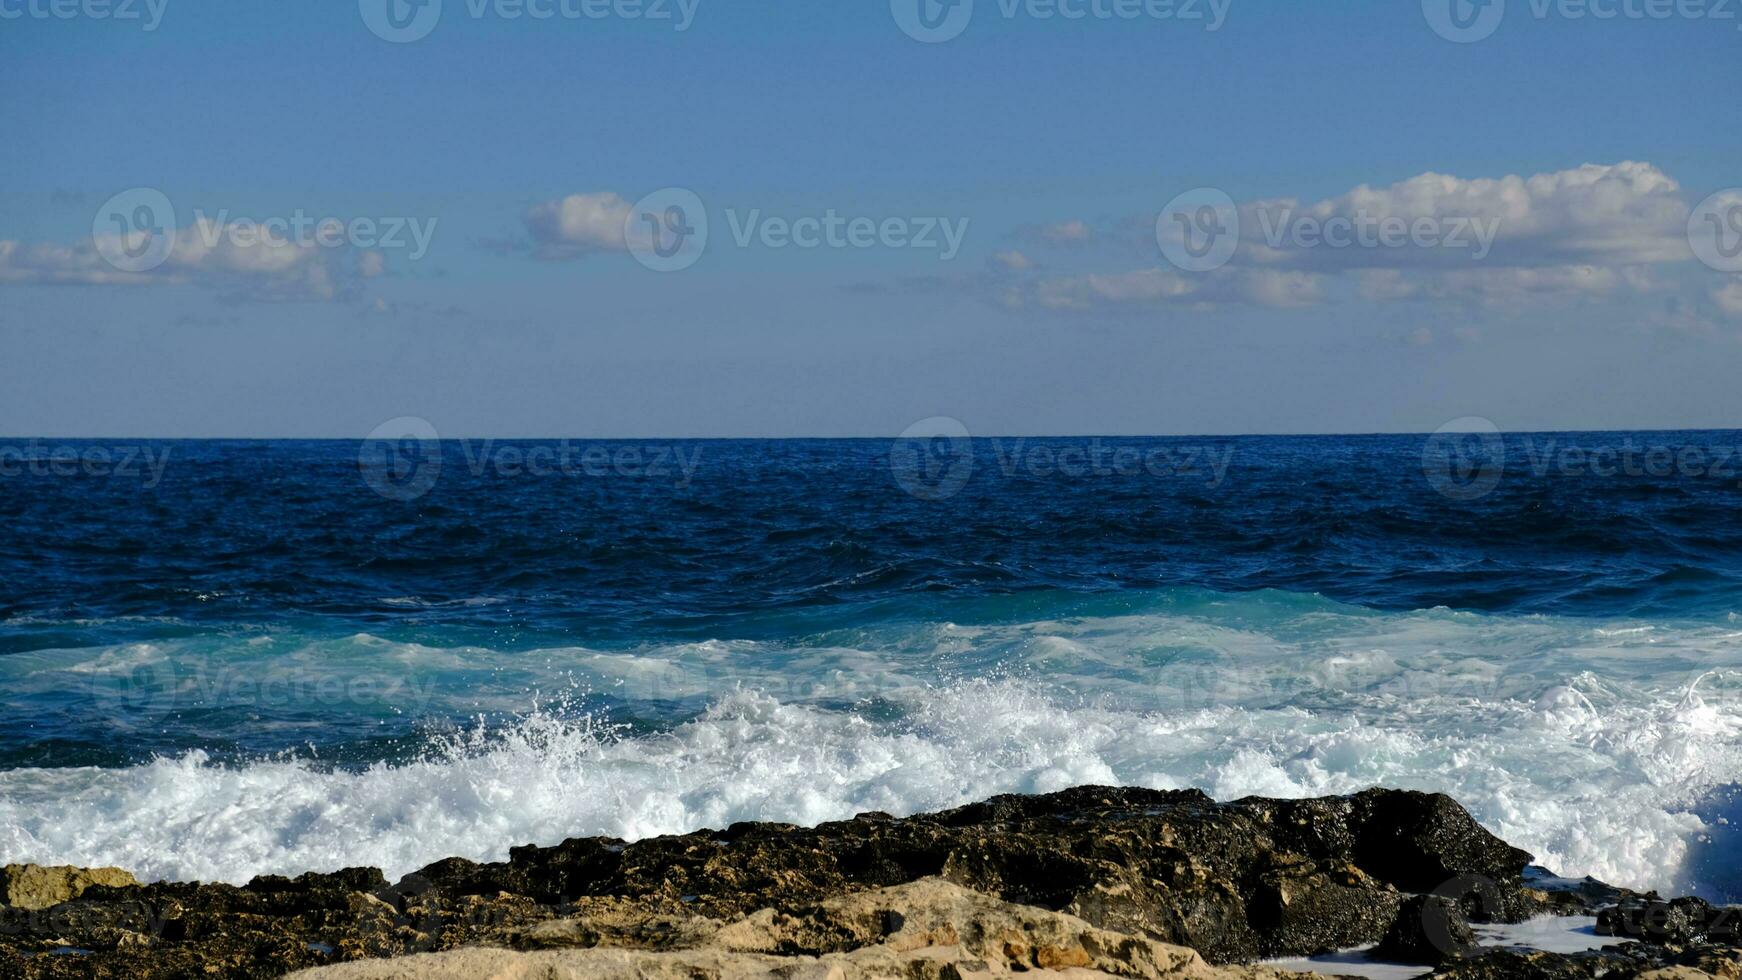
[1091, 881]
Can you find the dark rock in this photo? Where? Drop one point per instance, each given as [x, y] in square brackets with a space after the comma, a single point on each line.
[1630, 961]
[1427, 840]
[1533, 965]
[1681, 922]
[1237, 881]
[1429, 929]
[1588, 893]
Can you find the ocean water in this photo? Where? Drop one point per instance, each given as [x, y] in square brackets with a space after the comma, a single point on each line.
[225, 659]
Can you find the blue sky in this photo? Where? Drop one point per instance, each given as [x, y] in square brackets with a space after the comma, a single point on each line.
[523, 145]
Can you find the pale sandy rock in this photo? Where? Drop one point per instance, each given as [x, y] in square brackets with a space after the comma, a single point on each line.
[929, 928]
[34, 886]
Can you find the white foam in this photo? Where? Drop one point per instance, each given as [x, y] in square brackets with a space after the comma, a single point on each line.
[1597, 747]
[1552, 934]
[1601, 797]
[120, 660]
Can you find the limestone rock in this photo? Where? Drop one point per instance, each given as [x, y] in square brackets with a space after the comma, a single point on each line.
[34, 886]
[930, 928]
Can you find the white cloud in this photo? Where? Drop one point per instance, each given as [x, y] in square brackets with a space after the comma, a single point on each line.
[1627, 213]
[59, 265]
[1013, 260]
[577, 225]
[237, 259]
[1591, 231]
[209, 246]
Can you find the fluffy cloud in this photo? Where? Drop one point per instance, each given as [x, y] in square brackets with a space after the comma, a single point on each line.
[1622, 214]
[578, 225]
[237, 260]
[59, 265]
[1591, 231]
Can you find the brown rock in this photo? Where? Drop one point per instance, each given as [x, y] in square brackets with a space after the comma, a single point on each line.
[930, 928]
[33, 886]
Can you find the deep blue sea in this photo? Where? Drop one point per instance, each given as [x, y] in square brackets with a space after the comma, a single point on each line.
[219, 659]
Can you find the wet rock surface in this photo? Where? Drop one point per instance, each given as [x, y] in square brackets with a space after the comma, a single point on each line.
[1627, 962]
[1428, 929]
[1156, 871]
[1680, 922]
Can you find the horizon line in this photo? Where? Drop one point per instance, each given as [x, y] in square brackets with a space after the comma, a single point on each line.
[875, 438]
